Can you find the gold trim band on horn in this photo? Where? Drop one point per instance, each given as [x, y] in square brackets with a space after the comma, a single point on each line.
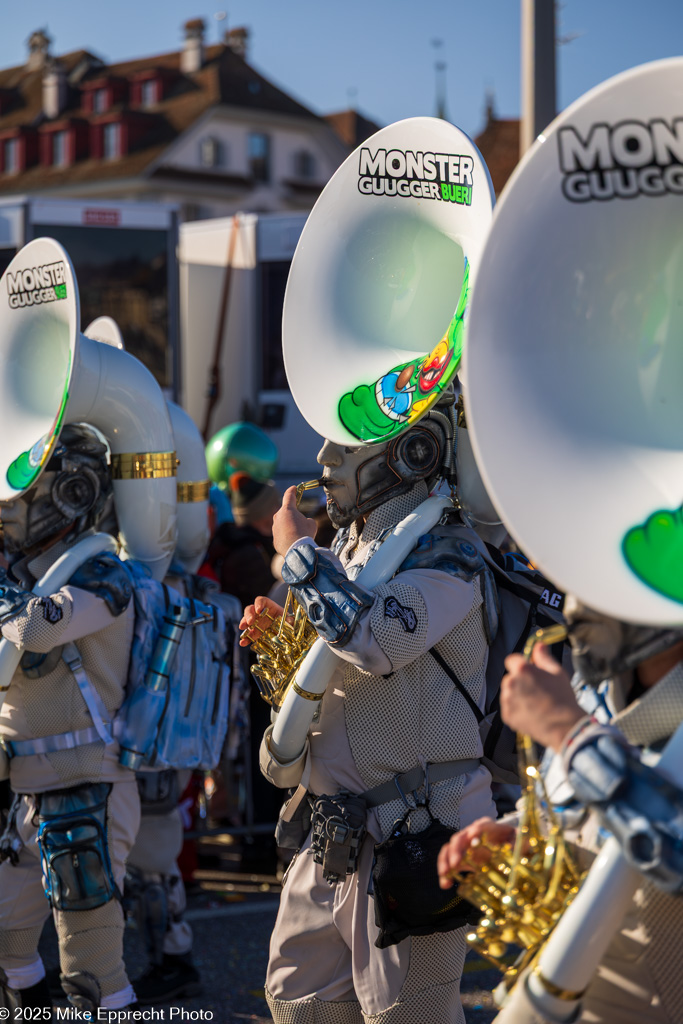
[143, 465]
[193, 490]
[306, 695]
[555, 990]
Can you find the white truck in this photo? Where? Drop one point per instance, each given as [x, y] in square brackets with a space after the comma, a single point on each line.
[250, 255]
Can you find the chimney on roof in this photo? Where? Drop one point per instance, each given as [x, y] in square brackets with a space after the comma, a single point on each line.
[237, 40]
[38, 50]
[192, 56]
[54, 88]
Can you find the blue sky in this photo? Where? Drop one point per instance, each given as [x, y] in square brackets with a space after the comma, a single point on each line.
[376, 55]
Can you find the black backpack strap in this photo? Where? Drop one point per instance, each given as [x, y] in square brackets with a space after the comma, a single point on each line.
[476, 710]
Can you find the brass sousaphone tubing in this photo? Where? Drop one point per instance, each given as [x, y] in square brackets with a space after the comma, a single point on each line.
[524, 888]
[281, 645]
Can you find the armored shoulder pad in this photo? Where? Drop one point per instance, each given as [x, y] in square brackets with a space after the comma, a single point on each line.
[105, 576]
[451, 552]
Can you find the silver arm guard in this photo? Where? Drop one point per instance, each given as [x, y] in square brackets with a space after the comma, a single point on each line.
[333, 603]
[638, 805]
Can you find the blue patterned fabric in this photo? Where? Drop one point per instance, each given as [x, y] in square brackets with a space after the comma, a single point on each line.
[333, 603]
[106, 577]
[175, 714]
[13, 598]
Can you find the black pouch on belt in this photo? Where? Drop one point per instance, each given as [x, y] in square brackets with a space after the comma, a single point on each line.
[408, 900]
[294, 821]
[337, 831]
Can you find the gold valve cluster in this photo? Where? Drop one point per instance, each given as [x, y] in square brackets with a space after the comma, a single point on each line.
[525, 887]
[281, 642]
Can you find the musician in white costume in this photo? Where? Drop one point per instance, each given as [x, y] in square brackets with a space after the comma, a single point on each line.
[54, 736]
[602, 736]
[390, 709]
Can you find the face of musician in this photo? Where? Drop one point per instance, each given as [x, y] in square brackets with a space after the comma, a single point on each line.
[72, 494]
[31, 518]
[340, 477]
[358, 480]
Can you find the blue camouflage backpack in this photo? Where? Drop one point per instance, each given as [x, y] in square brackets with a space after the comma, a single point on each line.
[175, 712]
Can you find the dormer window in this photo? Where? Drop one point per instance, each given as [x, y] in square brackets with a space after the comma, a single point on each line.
[304, 164]
[211, 152]
[100, 101]
[149, 92]
[59, 150]
[10, 153]
[258, 148]
[111, 141]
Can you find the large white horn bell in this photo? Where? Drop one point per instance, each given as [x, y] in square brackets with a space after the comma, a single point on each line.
[378, 289]
[574, 363]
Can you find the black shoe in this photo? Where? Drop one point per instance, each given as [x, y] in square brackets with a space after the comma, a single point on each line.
[37, 996]
[175, 977]
[54, 983]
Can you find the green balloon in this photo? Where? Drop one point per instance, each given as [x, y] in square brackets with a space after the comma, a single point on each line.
[240, 448]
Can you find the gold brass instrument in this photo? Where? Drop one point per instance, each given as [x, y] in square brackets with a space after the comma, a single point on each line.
[281, 644]
[525, 888]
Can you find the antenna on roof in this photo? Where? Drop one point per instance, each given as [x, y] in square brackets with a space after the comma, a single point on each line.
[440, 71]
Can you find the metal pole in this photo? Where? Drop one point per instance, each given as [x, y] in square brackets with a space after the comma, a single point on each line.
[539, 101]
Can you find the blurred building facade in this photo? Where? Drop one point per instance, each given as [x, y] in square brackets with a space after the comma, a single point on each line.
[498, 143]
[199, 127]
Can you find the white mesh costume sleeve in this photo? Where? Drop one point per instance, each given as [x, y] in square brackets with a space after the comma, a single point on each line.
[47, 622]
[409, 615]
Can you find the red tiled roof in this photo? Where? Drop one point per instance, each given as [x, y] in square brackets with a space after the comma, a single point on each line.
[351, 127]
[225, 78]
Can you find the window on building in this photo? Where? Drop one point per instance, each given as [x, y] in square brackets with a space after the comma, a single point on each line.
[192, 211]
[124, 273]
[259, 156]
[59, 157]
[112, 141]
[304, 164]
[211, 152]
[149, 93]
[10, 148]
[100, 101]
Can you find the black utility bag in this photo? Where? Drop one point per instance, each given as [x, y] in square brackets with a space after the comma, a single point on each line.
[408, 900]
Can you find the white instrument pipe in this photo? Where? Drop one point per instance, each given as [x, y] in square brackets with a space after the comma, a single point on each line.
[57, 576]
[585, 930]
[114, 392]
[193, 489]
[296, 714]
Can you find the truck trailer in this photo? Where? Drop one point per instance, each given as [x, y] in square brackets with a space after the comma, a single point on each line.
[233, 274]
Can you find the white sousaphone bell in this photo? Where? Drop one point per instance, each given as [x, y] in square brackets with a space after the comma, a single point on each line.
[378, 292]
[574, 378]
[51, 374]
[373, 325]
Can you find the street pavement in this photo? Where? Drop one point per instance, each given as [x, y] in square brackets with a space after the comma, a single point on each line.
[232, 915]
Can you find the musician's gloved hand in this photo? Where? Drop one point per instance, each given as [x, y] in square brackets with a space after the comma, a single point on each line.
[469, 848]
[536, 698]
[290, 525]
[253, 612]
[13, 598]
